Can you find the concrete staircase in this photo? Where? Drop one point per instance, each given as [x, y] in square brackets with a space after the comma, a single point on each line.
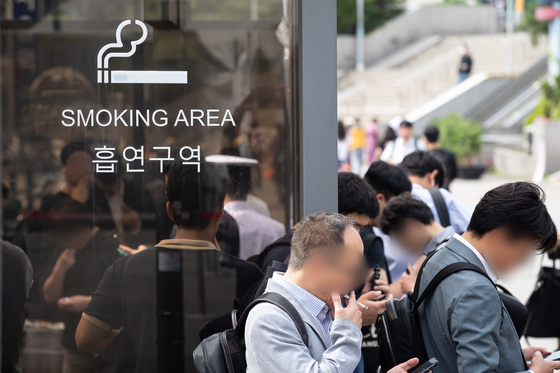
[383, 93]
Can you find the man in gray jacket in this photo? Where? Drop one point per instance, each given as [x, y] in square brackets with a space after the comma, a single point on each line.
[326, 261]
[464, 323]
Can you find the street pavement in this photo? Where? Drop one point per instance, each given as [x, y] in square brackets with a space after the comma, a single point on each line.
[522, 281]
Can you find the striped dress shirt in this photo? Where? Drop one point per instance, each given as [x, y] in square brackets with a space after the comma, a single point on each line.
[313, 305]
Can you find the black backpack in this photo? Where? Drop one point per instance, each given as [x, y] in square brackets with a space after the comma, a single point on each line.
[401, 339]
[258, 259]
[225, 352]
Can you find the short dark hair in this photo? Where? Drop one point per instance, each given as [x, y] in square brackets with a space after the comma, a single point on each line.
[356, 195]
[196, 197]
[432, 134]
[321, 229]
[419, 163]
[240, 181]
[401, 208]
[406, 124]
[518, 206]
[73, 147]
[387, 179]
[240, 178]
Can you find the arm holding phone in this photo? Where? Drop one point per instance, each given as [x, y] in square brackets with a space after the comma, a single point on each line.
[427, 366]
[374, 299]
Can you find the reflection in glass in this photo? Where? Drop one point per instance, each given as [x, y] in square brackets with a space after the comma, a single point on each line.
[86, 160]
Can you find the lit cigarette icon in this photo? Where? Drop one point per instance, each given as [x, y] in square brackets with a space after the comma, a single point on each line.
[149, 77]
[129, 76]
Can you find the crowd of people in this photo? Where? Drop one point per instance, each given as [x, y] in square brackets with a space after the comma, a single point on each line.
[359, 147]
[146, 308]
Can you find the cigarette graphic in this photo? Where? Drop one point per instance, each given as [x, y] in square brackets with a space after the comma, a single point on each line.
[148, 77]
[127, 76]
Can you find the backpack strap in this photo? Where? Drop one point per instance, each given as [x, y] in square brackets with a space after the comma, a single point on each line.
[414, 297]
[444, 273]
[280, 302]
[441, 207]
[503, 290]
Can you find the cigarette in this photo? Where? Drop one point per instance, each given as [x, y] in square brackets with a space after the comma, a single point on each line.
[358, 303]
[149, 77]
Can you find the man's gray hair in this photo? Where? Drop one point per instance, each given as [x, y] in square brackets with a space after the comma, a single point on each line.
[317, 230]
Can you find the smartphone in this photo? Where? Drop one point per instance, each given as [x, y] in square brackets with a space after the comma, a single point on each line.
[427, 366]
[374, 278]
[376, 275]
[553, 356]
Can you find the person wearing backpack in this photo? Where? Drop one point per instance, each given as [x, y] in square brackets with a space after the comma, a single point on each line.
[326, 261]
[463, 322]
[426, 172]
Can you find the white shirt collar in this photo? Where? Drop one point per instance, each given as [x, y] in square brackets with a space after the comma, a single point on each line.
[489, 271]
[237, 205]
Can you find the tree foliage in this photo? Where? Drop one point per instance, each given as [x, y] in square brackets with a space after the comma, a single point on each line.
[376, 12]
[530, 24]
[549, 104]
[463, 137]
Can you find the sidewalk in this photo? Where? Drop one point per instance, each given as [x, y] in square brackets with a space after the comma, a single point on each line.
[521, 282]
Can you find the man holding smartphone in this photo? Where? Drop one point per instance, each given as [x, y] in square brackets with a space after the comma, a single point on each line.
[325, 261]
[464, 323]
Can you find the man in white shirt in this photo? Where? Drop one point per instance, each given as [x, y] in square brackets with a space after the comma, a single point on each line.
[426, 171]
[256, 230]
[403, 145]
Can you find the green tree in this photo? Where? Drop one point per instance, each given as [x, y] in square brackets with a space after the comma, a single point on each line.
[549, 104]
[463, 137]
[529, 23]
[376, 12]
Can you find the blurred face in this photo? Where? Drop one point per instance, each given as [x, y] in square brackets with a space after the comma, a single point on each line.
[360, 219]
[507, 251]
[412, 235]
[340, 269]
[404, 132]
[78, 165]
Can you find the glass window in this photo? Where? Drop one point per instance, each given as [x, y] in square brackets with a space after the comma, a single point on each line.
[101, 101]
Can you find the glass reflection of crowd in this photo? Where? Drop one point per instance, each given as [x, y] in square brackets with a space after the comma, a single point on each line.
[91, 219]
